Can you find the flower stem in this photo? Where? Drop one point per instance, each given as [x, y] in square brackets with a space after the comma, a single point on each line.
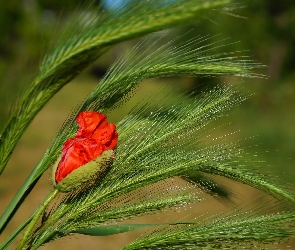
[4, 245]
[33, 222]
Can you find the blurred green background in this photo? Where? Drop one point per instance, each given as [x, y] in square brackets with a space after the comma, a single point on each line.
[264, 30]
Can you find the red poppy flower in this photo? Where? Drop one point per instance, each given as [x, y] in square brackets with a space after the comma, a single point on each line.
[93, 137]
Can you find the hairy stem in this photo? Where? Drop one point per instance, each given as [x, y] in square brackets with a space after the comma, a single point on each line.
[38, 213]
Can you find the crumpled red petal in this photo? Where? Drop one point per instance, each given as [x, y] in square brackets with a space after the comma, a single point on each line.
[94, 136]
[89, 122]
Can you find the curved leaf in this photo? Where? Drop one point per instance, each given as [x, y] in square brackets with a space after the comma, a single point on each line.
[116, 229]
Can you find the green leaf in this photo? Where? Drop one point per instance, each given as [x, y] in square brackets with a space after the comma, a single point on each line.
[112, 229]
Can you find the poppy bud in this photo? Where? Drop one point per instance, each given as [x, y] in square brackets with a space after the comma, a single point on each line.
[88, 154]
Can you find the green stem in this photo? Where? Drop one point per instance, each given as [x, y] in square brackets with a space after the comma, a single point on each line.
[38, 213]
[14, 235]
[44, 239]
[20, 196]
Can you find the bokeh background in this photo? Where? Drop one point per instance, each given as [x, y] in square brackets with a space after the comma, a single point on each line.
[264, 30]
